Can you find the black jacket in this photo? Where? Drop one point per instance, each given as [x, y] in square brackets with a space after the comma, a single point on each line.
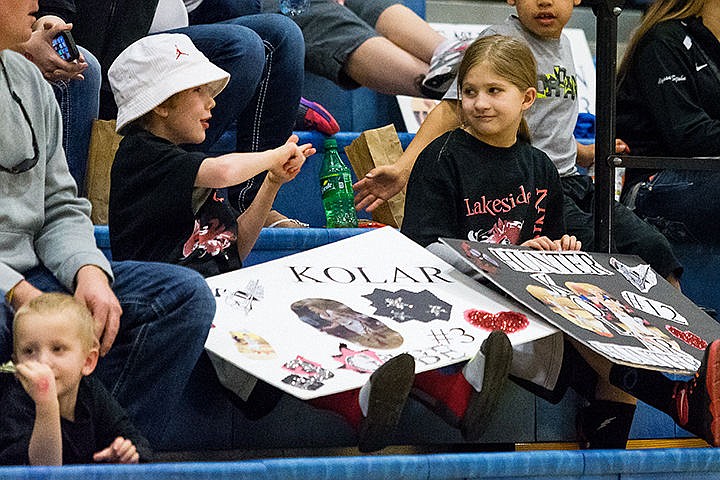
[669, 102]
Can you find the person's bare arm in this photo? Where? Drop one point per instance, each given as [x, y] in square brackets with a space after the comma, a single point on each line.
[252, 220]
[382, 183]
[45, 447]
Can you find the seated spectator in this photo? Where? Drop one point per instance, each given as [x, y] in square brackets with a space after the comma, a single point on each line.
[667, 105]
[551, 120]
[263, 54]
[379, 44]
[48, 245]
[488, 157]
[164, 102]
[55, 413]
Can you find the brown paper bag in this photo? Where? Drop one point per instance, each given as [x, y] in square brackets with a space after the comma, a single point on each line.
[104, 142]
[373, 148]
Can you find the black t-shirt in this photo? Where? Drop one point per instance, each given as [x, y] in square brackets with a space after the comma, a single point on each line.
[99, 419]
[461, 187]
[151, 213]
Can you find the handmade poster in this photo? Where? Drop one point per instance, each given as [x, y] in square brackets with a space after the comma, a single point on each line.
[414, 109]
[321, 321]
[615, 304]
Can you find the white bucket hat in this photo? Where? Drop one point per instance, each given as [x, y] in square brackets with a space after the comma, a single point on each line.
[155, 68]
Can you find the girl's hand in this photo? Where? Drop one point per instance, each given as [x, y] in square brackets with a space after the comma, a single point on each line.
[540, 243]
[38, 380]
[121, 450]
[569, 243]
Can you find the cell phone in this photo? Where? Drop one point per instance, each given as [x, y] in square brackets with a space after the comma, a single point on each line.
[64, 45]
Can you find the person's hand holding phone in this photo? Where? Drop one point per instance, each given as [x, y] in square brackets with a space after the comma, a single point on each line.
[39, 50]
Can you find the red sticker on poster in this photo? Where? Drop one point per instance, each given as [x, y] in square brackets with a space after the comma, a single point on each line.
[688, 337]
[508, 322]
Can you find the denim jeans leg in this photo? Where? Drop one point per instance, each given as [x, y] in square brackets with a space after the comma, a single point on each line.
[213, 11]
[630, 235]
[167, 313]
[684, 203]
[276, 103]
[271, 117]
[79, 101]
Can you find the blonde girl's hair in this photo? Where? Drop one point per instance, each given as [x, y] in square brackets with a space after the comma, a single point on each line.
[659, 11]
[509, 58]
[65, 305]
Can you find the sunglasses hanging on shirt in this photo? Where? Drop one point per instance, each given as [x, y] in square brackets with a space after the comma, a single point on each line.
[28, 163]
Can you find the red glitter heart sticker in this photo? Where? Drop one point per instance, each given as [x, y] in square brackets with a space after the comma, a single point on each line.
[508, 322]
[688, 337]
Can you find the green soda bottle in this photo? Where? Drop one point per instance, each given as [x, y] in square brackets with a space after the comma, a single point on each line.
[336, 188]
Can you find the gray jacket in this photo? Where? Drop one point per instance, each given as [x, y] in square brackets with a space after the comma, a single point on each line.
[42, 220]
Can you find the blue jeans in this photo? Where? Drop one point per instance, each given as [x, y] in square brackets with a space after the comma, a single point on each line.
[167, 312]
[264, 56]
[213, 11]
[683, 204]
[79, 101]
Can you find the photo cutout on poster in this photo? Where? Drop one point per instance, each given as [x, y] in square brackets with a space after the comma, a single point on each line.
[615, 304]
[337, 319]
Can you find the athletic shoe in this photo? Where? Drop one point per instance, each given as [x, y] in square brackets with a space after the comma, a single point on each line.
[443, 68]
[604, 424]
[313, 116]
[497, 353]
[697, 401]
[389, 388]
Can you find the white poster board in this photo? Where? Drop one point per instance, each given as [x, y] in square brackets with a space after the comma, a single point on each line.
[321, 321]
[414, 110]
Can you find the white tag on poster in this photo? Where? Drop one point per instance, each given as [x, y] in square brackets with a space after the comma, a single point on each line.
[321, 321]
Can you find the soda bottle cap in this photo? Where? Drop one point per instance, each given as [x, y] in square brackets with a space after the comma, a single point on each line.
[330, 143]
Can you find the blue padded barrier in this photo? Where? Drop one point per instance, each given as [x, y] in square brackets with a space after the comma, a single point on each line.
[274, 243]
[659, 464]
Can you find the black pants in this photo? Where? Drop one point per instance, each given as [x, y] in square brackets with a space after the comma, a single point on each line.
[630, 234]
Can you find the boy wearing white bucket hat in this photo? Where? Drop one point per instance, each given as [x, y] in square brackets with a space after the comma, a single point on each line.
[164, 88]
[165, 204]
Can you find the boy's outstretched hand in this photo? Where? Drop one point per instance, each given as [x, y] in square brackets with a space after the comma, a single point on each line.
[121, 450]
[293, 157]
[567, 242]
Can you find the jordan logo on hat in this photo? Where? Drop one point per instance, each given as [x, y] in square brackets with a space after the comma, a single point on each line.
[178, 52]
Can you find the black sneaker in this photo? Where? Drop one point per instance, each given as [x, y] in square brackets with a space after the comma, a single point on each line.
[604, 425]
[443, 68]
[497, 351]
[697, 401]
[389, 388]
